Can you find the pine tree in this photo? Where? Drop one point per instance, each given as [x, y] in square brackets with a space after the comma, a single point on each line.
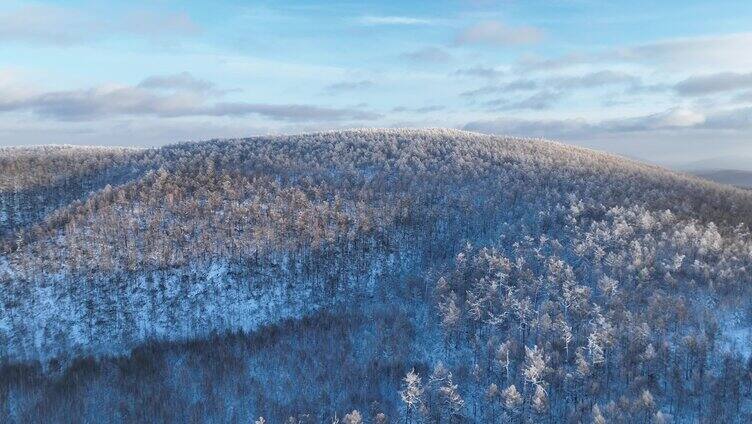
[493, 397]
[353, 417]
[412, 393]
[598, 417]
[512, 399]
[451, 399]
[535, 366]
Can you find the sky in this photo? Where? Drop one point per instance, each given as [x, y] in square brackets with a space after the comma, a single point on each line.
[668, 82]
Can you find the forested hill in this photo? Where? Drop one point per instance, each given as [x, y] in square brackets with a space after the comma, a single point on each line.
[465, 277]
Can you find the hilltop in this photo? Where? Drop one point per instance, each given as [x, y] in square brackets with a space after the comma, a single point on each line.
[518, 278]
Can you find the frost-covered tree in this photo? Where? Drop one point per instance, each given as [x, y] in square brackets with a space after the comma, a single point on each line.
[353, 417]
[412, 394]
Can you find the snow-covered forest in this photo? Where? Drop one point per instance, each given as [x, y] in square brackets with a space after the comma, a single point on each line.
[370, 276]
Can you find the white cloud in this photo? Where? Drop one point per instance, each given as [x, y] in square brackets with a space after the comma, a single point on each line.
[480, 72]
[594, 79]
[181, 81]
[677, 54]
[671, 137]
[498, 34]
[44, 24]
[538, 101]
[714, 83]
[671, 119]
[347, 86]
[184, 96]
[55, 25]
[678, 117]
[423, 109]
[739, 119]
[394, 20]
[143, 22]
[721, 51]
[547, 128]
[544, 93]
[428, 54]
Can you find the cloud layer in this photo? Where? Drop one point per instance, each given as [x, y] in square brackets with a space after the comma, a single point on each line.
[714, 83]
[394, 20]
[430, 54]
[687, 53]
[544, 93]
[166, 96]
[738, 119]
[348, 86]
[55, 25]
[497, 33]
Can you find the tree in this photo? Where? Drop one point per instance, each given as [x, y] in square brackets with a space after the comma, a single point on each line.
[565, 332]
[535, 366]
[512, 399]
[661, 418]
[493, 397]
[502, 357]
[645, 405]
[451, 398]
[598, 417]
[450, 316]
[540, 400]
[353, 417]
[412, 393]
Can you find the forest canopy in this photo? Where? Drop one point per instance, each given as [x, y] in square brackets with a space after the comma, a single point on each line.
[465, 278]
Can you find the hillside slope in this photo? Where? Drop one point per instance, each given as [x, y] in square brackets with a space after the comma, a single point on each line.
[520, 279]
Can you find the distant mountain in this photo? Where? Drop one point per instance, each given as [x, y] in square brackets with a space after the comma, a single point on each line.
[737, 162]
[728, 176]
[370, 276]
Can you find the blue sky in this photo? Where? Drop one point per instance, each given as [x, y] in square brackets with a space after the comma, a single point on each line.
[669, 82]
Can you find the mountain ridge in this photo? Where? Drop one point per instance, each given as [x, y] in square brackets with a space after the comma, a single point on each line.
[564, 275]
